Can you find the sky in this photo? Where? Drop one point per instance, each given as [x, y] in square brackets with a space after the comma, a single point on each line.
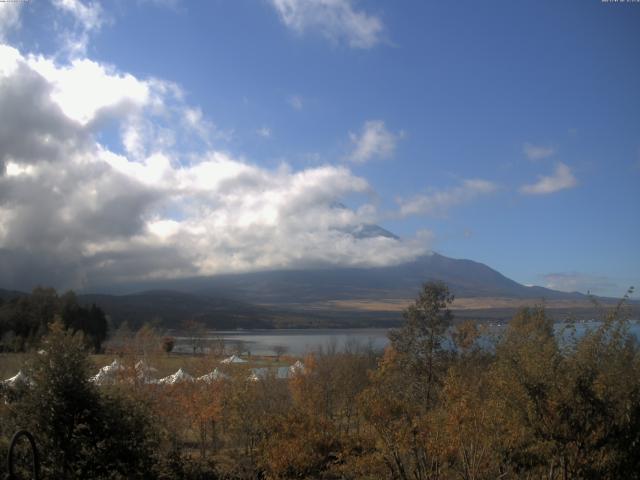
[150, 139]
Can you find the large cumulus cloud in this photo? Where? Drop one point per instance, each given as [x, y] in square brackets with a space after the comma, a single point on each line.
[76, 212]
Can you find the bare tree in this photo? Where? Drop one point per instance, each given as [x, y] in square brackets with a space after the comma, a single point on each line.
[280, 350]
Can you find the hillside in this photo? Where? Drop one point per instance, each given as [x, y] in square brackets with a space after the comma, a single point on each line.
[171, 308]
[339, 297]
[465, 278]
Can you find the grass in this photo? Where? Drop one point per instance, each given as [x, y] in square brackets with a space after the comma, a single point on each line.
[463, 303]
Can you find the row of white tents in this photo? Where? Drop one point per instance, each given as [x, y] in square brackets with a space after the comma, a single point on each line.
[109, 374]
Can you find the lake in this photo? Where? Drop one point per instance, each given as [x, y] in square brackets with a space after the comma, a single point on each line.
[302, 341]
[296, 341]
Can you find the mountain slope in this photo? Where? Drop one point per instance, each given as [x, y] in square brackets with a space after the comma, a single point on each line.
[172, 308]
[334, 297]
[465, 278]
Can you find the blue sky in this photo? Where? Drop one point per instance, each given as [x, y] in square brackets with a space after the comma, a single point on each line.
[504, 132]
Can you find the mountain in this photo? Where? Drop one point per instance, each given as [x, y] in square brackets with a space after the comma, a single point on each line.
[329, 297]
[172, 308]
[7, 294]
[336, 297]
[465, 278]
[326, 296]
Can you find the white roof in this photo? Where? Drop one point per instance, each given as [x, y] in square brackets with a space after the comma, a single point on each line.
[113, 367]
[178, 377]
[103, 377]
[212, 376]
[18, 379]
[233, 359]
[107, 373]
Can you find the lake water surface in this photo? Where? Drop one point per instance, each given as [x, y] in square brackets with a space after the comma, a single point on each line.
[302, 341]
[296, 341]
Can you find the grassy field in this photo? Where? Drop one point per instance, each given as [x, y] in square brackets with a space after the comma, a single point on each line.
[470, 303]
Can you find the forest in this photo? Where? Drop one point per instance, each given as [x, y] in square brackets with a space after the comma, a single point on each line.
[25, 319]
[439, 403]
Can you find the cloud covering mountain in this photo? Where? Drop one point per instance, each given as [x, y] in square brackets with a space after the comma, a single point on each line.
[75, 211]
[164, 139]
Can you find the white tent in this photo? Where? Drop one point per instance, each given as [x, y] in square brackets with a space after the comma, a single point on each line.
[101, 378]
[212, 376]
[233, 359]
[297, 367]
[178, 377]
[17, 380]
[107, 374]
[113, 367]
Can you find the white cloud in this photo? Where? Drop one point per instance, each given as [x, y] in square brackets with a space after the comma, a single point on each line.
[89, 15]
[336, 20]
[9, 17]
[537, 152]
[151, 113]
[296, 102]
[374, 141]
[439, 202]
[195, 120]
[89, 18]
[581, 282]
[264, 132]
[9, 60]
[74, 88]
[561, 179]
[76, 213]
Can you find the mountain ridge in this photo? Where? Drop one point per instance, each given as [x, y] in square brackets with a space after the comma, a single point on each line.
[329, 297]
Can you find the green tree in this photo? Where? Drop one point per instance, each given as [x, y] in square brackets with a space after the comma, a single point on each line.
[83, 434]
[25, 319]
[419, 341]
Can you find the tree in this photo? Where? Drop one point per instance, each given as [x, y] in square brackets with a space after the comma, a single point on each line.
[82, 433]
[147, 341]
[28, 317]
[91, 321]
[168, 343]
[400, 403]
[280, 350]
[196, 332]
[568, 410]
[419, 341]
